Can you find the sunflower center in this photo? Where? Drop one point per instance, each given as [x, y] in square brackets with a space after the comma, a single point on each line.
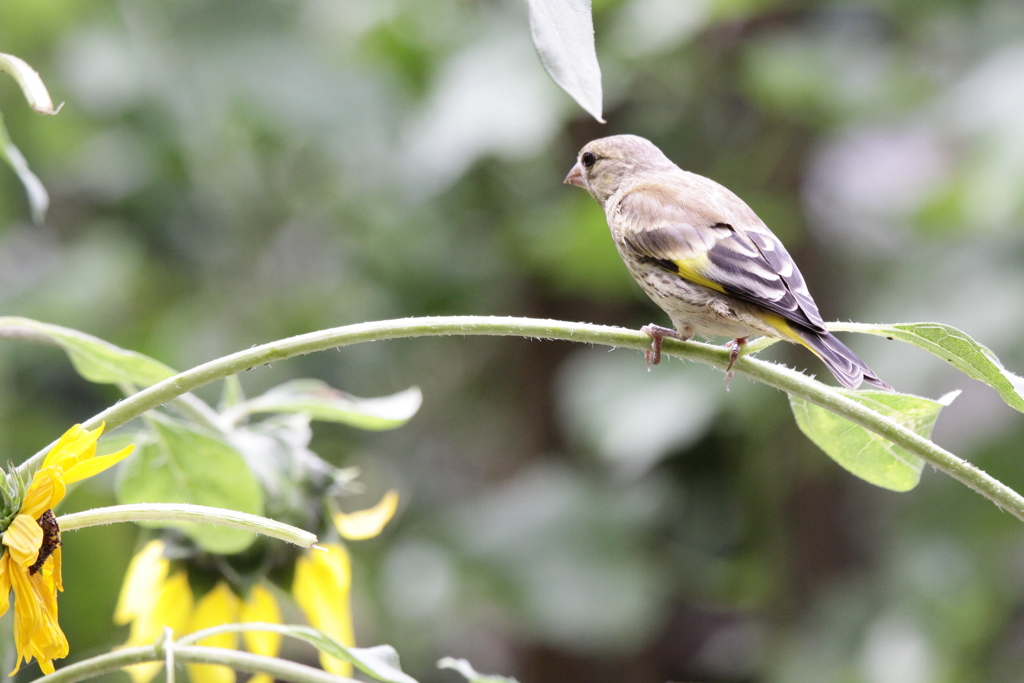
[51, 539]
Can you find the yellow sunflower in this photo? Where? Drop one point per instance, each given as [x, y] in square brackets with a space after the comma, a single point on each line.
[31, 561]
[151, 598]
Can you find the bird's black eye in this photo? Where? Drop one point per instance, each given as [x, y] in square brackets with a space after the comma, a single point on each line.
[589, 159]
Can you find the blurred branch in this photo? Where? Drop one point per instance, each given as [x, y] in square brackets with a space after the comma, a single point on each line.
[772, 374]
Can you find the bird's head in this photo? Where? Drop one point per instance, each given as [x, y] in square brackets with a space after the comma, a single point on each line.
[604, 164]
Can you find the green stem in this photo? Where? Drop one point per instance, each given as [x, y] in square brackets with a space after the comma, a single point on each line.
[181, 512]
[101, 664]
[242, 661]
[769, 373]
[375, 666]
[251, 663]
[196, 409]
[189, 406]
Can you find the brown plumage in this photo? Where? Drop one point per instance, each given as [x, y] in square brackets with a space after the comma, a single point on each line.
[704, 256]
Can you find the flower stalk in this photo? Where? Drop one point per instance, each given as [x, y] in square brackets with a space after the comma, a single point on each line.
[771, 374]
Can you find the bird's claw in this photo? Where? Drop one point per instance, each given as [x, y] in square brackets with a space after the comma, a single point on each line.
[735, 347]
[657, 333]
[653, 354]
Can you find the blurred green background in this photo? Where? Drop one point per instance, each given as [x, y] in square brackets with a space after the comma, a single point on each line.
[228, 172]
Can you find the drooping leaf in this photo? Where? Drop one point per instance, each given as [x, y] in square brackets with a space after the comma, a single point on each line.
[469, 673]
[326, 403]
[863, 453]
[30, 83]
[956, 348]
[183, 465]
[94, 359]
[38, 197]
[39, 99]
[563, 34]
[379, 662]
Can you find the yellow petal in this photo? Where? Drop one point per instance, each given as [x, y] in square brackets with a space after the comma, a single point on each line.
[143, 673]
[55, 569]
[46, 490]
[261, 606]
[76, 444]
[219, 606]
[87, 468]
[173, 608]
[323, 581]
[36, 631]
[5, 583]
[146, 573]
[23, 539]
[66, 444]
[363, 524]
[27, 616]
[210, 673]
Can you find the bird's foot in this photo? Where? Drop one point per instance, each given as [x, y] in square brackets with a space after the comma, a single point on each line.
[735, 348]
[657, 333]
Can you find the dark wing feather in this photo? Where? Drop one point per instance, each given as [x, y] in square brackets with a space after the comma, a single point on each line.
[736, 252]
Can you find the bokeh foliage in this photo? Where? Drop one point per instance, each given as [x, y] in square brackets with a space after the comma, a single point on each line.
[226, 172]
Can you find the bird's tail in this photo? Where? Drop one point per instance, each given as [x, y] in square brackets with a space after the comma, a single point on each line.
[844, 363]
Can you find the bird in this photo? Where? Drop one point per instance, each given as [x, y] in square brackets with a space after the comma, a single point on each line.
[704, 257]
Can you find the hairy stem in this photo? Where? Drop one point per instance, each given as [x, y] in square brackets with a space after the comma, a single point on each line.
[242, 661]
[771, 374]
[182, 512]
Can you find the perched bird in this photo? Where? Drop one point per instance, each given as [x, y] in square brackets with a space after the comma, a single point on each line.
[704, 256]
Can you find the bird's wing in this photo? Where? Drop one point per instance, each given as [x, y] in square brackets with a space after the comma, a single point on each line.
[737, 255]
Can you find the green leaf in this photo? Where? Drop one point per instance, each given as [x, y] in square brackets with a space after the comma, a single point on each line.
[379, 662]
[323, 402]
[182, 465]
[94, 359]
[563, 34]
[863, 453]
[956, 348]
[469, 673]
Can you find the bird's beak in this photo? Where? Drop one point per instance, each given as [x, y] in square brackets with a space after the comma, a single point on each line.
[575, 176]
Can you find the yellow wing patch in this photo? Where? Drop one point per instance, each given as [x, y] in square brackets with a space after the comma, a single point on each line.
[783, 326]
[693, 270]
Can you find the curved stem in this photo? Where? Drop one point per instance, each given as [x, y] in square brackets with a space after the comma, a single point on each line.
[242, 661]
[182, 512]
[769, 373]
[101, 664]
